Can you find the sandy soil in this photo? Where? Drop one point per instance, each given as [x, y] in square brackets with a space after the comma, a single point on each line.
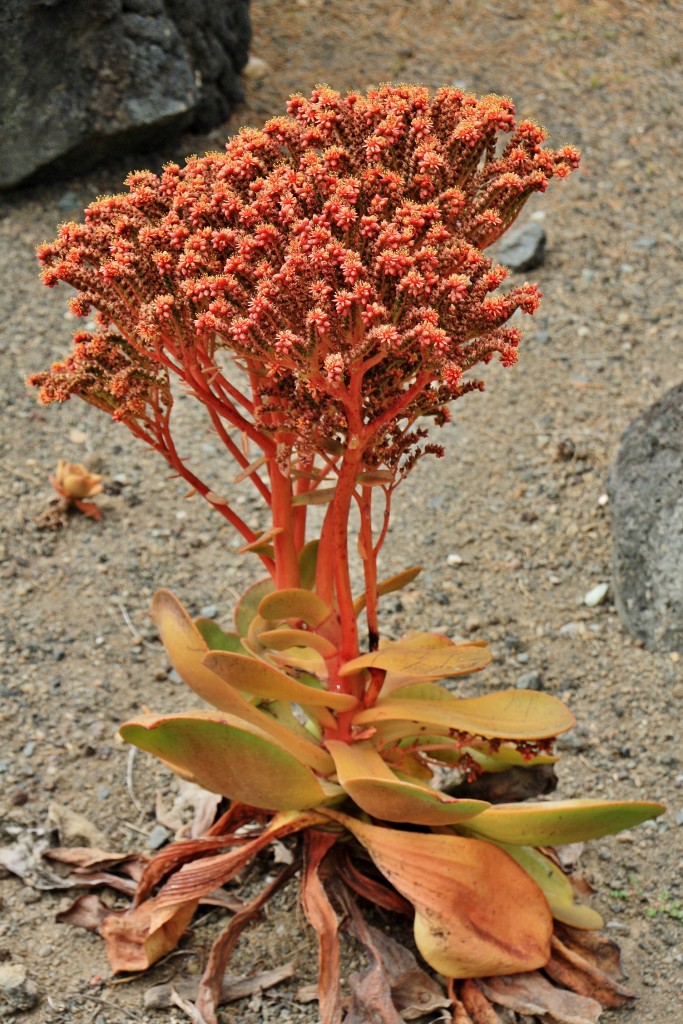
[521, 517]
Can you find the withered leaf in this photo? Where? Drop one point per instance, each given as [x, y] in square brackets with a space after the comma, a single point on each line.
[233, 987]
[533, 995]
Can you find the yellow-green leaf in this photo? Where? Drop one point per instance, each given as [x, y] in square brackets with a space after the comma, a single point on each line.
[268, 683]
[379, 792]
[509, 714]
[295, 604]
[389, 585]
[446, 659]
[505, 757]
[228, 756]
[555, 886]
[477, 913]
[557, 822]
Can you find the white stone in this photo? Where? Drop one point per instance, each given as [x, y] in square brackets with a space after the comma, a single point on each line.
[596, 595]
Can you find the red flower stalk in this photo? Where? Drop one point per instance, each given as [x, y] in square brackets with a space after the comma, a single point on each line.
[318, 287]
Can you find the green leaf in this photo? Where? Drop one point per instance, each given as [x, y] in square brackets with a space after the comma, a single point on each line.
[477, 913]
[264, 681]
[228, 756]
[509, 714]
[247, 606]
[295, 604]
[218, 640]
[557, 822]
[389, 585]
[446, 659]
[374, 787]
[555, 886]
[308, 563]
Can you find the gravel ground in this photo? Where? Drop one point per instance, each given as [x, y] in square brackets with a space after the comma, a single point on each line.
[512, 530]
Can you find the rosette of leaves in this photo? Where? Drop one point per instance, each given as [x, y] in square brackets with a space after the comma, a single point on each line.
[352, 769]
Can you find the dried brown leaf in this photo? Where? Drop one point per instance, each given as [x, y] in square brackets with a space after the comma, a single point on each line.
[209, 993]
[477, 1005]
[597, 948]
[233, 987]
[321, 915]
[571, 970]
[88, 911]
[532, 995]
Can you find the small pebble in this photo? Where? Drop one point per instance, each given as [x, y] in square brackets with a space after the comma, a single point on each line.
[596, 595]
[209, 611]
[17, 992]
[158, 837]
[530, 681]
[678, 817]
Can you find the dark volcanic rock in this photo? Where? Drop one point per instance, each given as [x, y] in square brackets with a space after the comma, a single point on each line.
[646, 491]
[83, 80]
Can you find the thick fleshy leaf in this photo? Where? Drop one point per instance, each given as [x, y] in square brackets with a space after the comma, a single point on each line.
[389, 585]
[247, 606]
[558, 822]
[555, 886]
[379, 792]
[281, 639]
[186, 648]
[226, 755]
[505, 757]
[216, 639]
[427, 662]
[477, 913]
[509, 714]
[295, 603]
[321, 496]
[268, 683]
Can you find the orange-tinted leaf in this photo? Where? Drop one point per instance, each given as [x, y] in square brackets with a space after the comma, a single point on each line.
[427, 662]
[560, 821]
[226, 755]
[268, 683]
[509, 714]
[186, 648]
[281, 639]
[476, 912]
[295, 603]
[379, 792]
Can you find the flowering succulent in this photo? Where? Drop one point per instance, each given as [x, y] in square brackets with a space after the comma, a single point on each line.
[320, 288]
[73, 482]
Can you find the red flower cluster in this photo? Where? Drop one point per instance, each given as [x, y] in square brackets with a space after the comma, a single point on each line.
[337, 255]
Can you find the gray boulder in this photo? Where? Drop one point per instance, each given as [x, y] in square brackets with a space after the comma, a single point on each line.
[645, 486]
[523, 248]
[83, 80]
